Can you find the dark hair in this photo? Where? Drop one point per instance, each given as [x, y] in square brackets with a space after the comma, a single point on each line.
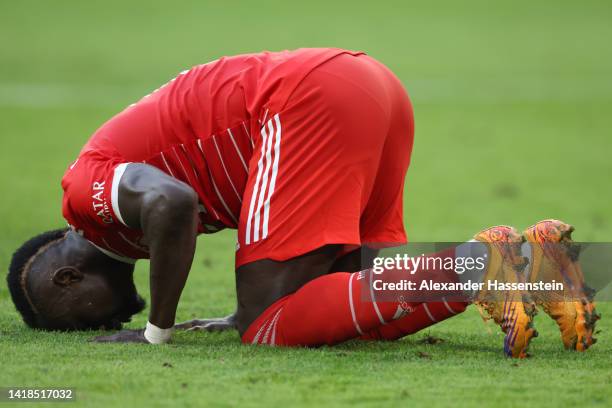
[20, 259]
[132, 302]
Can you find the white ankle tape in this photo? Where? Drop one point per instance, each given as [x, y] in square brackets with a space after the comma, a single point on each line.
[155, 335]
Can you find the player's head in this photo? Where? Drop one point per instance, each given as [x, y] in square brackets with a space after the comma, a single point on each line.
[59, 281]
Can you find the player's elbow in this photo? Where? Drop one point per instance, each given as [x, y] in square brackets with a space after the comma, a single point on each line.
[183, 198]
[171, 203]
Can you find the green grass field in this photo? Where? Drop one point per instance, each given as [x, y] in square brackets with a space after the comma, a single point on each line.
[512, 105]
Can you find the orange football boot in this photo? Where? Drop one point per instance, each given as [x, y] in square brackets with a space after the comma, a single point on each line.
[512, 310]
[555, 256]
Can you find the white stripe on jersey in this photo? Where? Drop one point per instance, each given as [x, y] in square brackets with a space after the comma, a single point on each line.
[352, 306]
[195, 172]
[247, 238]
[450, 309]
[238, 150]
[256, 338]
[118, 173]
[273, 339]
[264, 233]
[264, 117]
[246, 130]
[225, 169]
[264, 181]
[272, 324]
[227, 209]
[132, 244]
[166, 163]
[428, 312]
[373, 298]
[204, 157]
[113, 255]
[178, 158]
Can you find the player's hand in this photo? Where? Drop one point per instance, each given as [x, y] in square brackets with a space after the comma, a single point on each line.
[209, 325]
[124, 336]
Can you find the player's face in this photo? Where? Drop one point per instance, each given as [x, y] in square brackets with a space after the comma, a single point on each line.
[75, 288]
[94, 302]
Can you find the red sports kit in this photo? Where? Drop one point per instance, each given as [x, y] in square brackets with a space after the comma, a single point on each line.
[295, 149]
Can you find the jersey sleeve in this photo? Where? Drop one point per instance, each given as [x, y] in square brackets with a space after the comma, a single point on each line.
[90, 206]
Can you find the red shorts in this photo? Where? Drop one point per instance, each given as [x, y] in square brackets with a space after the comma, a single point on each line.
[330, 164]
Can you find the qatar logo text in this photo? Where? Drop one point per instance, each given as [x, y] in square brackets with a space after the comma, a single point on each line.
[100, 206]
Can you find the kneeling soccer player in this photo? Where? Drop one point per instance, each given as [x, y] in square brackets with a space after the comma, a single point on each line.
[303, 152]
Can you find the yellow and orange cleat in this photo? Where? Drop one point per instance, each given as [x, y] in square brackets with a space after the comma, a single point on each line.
[554, 256]
[512, 310]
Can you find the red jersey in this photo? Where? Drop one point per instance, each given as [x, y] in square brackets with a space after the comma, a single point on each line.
[257, 142]
[198, 128]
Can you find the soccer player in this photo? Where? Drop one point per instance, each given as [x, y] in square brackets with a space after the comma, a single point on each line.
[303, 152]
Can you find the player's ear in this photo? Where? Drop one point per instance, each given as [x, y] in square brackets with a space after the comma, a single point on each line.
[67, 275]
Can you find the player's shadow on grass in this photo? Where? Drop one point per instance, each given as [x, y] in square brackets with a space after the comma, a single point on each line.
[446, 344]
[416, 342]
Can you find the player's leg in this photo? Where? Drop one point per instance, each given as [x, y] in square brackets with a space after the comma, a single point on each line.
[334, 132]
[382, 219]
[341, 306]
[308, 180]
[328, 310]
[368, 131]
[353, 259]
[421, 317]
[424, 315]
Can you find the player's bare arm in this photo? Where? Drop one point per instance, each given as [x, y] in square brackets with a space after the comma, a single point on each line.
[166, 211]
